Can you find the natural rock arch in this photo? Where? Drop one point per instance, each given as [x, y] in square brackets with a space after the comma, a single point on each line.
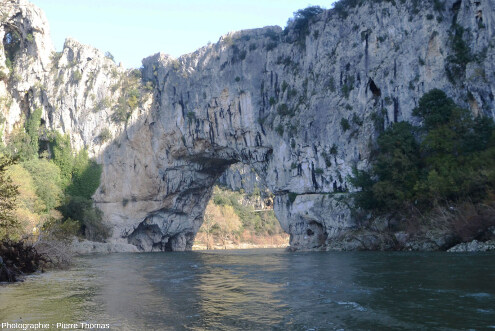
[158, 177]
[261, 97]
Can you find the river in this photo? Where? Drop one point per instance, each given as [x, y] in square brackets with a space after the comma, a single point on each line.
[262, 289]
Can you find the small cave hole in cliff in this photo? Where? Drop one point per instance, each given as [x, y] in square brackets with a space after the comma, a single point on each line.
[11, 44]
[317, 231]
[374, 89]
[479, 18]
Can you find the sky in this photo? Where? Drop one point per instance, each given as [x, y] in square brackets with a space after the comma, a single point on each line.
[132, 30]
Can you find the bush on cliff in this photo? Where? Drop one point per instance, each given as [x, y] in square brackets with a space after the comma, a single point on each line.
[86, 175]
[300, 23]
[30, 208]
[47, 182]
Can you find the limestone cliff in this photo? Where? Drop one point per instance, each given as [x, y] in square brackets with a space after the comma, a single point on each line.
[299, 106]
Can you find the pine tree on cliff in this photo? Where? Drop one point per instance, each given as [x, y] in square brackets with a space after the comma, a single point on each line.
[8, 196]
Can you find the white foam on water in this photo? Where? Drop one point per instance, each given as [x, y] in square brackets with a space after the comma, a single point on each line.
[355, 305]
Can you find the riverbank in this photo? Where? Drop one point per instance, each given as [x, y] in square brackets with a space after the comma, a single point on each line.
[246, 240]
[354, 241]
[86, 247]
[18, 259]
[202, 247]
[426, 241]
[380, 234]
[461, 227]
[473, 246]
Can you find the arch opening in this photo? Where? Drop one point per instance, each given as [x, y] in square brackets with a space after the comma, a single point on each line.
[240, 214]
[230, 207]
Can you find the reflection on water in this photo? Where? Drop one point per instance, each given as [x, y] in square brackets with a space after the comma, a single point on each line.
[262, 289]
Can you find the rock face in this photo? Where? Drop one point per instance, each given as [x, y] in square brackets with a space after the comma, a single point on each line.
[300, 107]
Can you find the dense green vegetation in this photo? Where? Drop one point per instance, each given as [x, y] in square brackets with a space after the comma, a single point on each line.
[50, 187]
[447, 160]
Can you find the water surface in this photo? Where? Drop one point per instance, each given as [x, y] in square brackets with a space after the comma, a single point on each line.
[263, 289]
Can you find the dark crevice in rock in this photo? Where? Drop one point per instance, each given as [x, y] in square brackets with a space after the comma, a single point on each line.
[11, 42]
[396, 109]
[313, 176]
[374, 89]
[455, 8]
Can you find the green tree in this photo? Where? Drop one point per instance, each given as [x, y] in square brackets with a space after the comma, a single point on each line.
[8, 197]
[23, 143]
[301, 22]
[89, 217]
[18, 146]
[27, 199]
[434, 108]
[452, 148]
[394, 172]
[30, 210]
[32, 130]
[63, 157]
[85, 176]
[364, 198]
[47, 180]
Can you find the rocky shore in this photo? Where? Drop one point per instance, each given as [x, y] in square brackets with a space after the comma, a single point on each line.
[202, 247]
[473, 246]
[361, 240]
[18, 259]
[85, 247]
[403, 241]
